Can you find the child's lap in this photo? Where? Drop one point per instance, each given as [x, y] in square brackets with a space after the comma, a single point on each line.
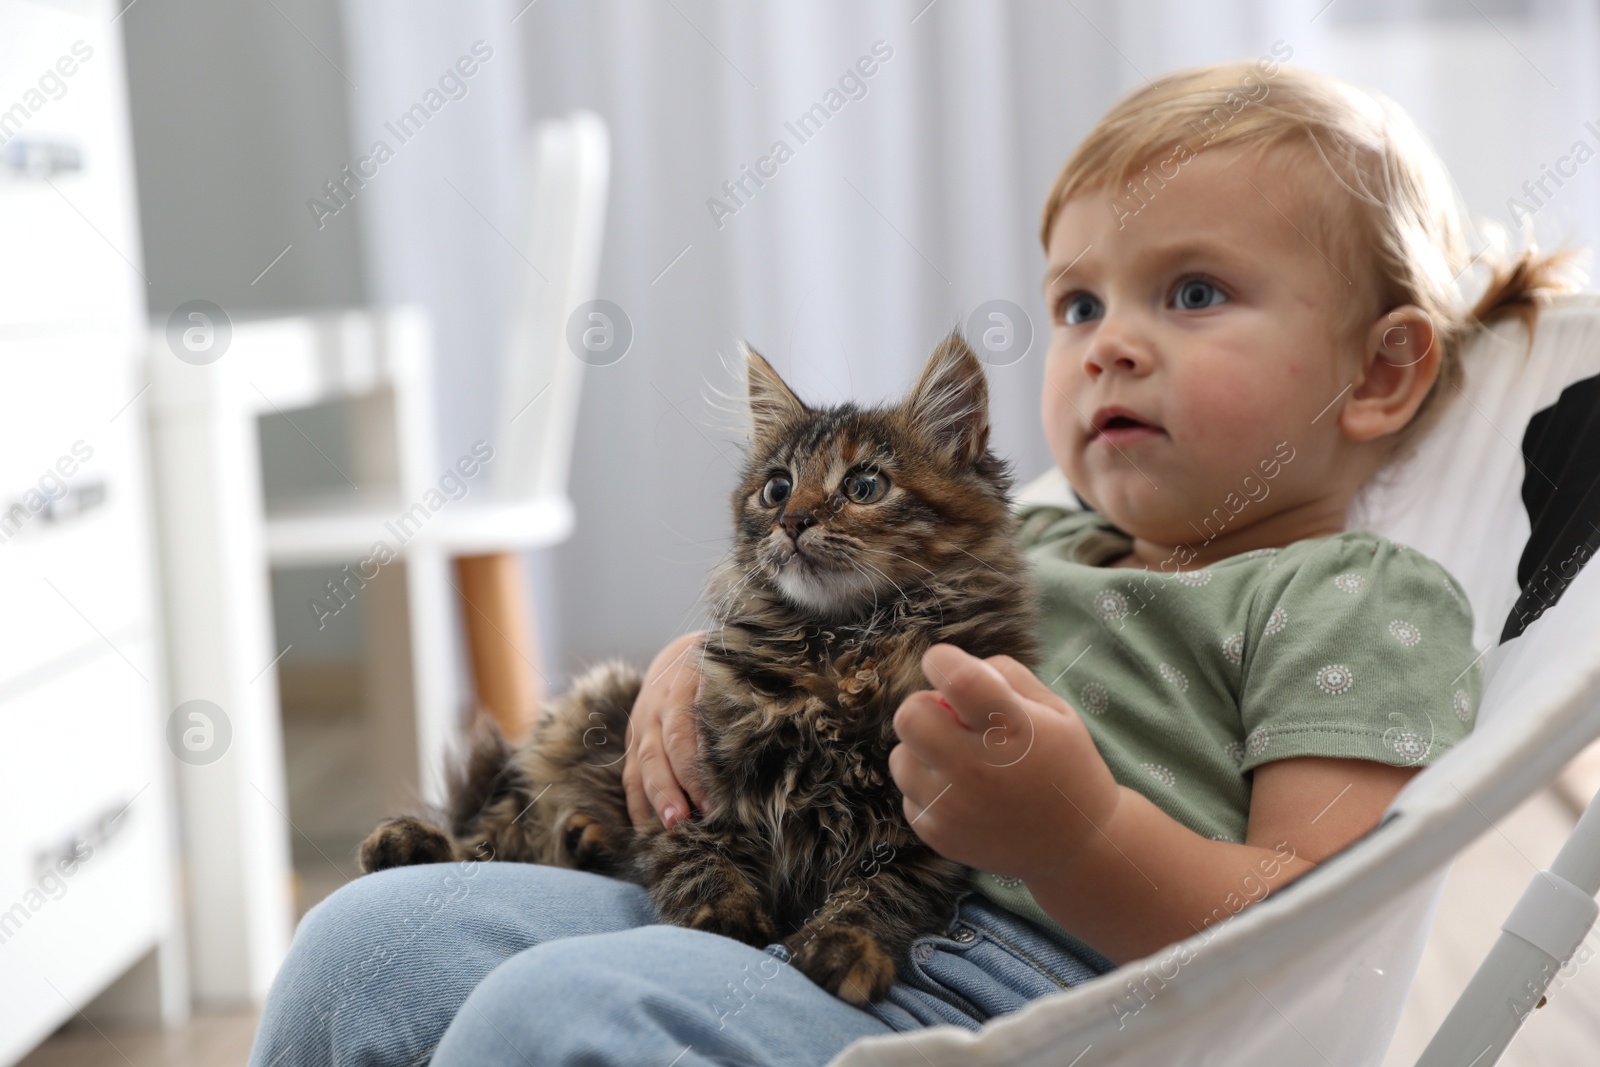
[379, 968]
[382, 968]
[655, 994]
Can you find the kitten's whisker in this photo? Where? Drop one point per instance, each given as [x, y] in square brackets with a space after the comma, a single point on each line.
[690, 540]
[937, 599]
[871, 585]
[1001, 573]
[705, 650]
[707, 587]
[885, 577]
[908, 559]
[924, 582]
[725, 607]
[675, 663]
[722, 605]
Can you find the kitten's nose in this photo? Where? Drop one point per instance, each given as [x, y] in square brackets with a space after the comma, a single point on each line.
[795, 522]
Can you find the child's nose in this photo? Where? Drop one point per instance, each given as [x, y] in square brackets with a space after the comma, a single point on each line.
[1116, 346]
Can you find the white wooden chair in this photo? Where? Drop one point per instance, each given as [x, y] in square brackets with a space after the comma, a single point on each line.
[219, 540]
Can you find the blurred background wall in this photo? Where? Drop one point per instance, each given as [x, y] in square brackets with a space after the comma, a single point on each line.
[912, 205]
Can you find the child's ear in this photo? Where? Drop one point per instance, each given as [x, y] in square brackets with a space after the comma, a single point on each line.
[772, 403]
[1399, 363]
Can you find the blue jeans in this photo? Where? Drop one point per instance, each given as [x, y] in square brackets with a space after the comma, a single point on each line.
[508, 963]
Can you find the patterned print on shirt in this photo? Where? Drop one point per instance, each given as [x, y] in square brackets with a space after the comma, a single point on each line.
[1111, 604]
[1160, 774]
[1175, 676]
[1335, 678]
[1409, 744]
[1405, 633]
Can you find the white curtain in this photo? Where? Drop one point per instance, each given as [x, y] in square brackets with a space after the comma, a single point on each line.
[912, 205]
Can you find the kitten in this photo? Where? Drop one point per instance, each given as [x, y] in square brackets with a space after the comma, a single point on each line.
[862, 537]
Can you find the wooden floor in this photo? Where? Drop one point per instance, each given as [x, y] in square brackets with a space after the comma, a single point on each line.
[1483, 885]
[208, 1041]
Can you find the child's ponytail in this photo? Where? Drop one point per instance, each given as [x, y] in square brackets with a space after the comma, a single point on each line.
[1524, 283]
[1518, 284]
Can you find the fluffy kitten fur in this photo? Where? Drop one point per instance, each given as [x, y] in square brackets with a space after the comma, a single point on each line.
[805, 839]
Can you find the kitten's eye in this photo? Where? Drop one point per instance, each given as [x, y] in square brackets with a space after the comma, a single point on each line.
[1080, 307]
[1197, 293]
[866, 487]
[776, 491]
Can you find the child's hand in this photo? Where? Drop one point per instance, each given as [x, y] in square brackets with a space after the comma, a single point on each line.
[663, 750]
[998, 771]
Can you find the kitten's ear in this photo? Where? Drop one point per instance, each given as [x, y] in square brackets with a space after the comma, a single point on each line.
[772, 404]
[950, 403]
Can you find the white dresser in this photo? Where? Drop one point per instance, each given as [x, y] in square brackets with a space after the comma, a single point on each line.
[86, 825]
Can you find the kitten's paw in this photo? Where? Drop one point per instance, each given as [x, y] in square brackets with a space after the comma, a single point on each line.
[591, 845]
[845, 960]
[735, 915]
[403, 843]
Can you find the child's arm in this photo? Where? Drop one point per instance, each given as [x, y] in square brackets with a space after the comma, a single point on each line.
[1102, 859]
[1100, 895]
[662, 759]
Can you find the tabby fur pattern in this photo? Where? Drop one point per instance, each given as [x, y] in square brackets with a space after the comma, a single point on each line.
[862, 537]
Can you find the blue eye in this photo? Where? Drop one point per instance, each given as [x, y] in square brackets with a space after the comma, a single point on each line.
[1080, 307]
[1197, 293]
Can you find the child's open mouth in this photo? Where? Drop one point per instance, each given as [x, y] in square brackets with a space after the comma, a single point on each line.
[1120, 427]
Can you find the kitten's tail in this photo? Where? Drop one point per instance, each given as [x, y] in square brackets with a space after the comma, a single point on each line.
[558, 799]
[484, 775]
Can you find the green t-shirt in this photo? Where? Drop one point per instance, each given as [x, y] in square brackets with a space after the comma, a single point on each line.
[1348, 646]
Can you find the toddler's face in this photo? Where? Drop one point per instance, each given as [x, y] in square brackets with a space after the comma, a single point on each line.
[1208, 317]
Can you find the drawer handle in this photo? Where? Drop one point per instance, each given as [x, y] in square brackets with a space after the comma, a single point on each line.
[73, 502]
[84, 496]
[39, 157]
[66, 853]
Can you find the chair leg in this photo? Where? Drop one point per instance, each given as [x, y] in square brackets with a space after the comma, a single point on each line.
[501, 640]
[393, 704]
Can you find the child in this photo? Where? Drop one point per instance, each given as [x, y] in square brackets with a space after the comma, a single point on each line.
[1252, 285]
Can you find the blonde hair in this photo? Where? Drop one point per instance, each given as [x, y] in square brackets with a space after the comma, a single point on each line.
[1403, 226]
